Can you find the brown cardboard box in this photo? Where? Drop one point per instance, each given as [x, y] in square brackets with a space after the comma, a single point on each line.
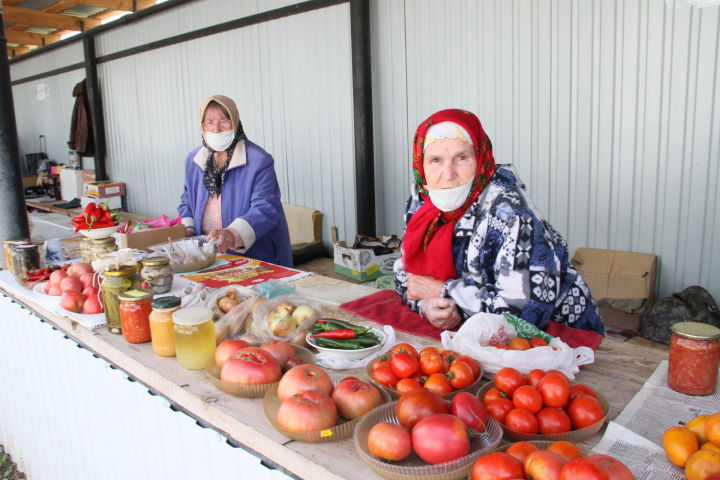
[146, 238]
[104, 189]
[621, 280]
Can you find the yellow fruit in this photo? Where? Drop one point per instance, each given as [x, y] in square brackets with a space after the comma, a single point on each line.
[679, 444]
[697, 426]
[712, 428]
[702, 464]
[710, 446]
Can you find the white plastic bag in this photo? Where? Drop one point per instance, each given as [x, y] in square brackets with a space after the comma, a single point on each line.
[483, 329]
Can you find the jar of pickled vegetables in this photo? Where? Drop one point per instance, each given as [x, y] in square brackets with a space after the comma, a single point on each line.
[135, 308]
[194, 337]
[7, 251]
[101, 246]
[694, 358]
[115, 282]
[161, 325]
[157, 274]
[25, 259]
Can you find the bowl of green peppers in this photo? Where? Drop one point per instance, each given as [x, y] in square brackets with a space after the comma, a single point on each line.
[337, 337]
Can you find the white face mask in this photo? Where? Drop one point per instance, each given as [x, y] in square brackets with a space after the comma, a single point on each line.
[219, 141]
[449, 199]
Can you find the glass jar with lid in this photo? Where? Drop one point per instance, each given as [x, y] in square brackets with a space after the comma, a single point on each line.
[25, 258]
[7, 250]
[694, 358]
[115, 282]
[135, 308]
[157, 274]
[101, 246]
[161, 325]
[194, 337]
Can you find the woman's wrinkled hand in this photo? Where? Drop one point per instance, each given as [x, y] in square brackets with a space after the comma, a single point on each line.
[224, 239]
[421, 287]
[189, 231]
[441, 312]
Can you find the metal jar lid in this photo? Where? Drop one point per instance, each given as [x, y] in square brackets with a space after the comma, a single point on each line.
[192, 316]
[123, 271]
[166, 303]
[696, 330]
[135, 295]
[156, 261]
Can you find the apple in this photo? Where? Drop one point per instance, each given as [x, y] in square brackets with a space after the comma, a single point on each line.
[89, 279]
[78, 269]
[281, 323]
[288, 306]
[544, 464]
[71, 283]
[92, 305]
[57, 276]
[303, 313]
[227, 348]
[72, 301]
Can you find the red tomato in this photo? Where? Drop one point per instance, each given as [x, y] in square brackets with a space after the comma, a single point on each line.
[418, 404]
[527, 397]
[500, 346]
[508, 380]
[521, 421]
[406, 384]
[227, 348]
[460, 375]
[449, 355]
[293, 362]
[492, 394]
[389, 441]
[282, 351]
[251, 366]
[538, 342]
[468, 408]
[306, 412]
[437, 382]
[440, 438]
[521, 450]
[542, 464]
[431, 363]
[384, 360]
[569, 451]
[558, 372]
[384, 376]
[302, 378]
[355, 398]
[585, 410]
[581, 389]
[499, 408]
[595, 467]
[553, 420]
[497, 466]
[535, 376]
[555, 390]
[404, 348]
[519, 343]
[472, 362]
[427, 350]
[403, 364]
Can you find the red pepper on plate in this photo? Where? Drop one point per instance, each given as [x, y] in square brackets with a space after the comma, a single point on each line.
[337, 334]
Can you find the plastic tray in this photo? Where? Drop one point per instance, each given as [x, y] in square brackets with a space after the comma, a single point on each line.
[342, 430]
[414, 466]
[574, 436]
[212, 372]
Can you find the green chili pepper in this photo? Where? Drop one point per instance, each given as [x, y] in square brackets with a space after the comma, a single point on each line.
[347, 344]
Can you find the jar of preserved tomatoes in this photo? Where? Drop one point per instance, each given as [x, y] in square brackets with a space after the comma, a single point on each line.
[194, 337]
[161, 325]
[135, 309]
[694, 358]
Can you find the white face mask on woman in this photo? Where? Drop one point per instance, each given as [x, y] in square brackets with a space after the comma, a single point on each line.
[219, 141]
[449, 199]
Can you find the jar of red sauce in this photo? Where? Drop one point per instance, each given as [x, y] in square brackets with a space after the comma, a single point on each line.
[135, 309]
[694, 358]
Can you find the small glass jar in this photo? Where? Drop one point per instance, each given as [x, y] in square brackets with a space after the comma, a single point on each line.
[157, 274]
[8, 253]
[194, 337]
[101, 246]
[161, 325]
[694, 358]
[115, 282]
[135, 308]
[85, 250]
[26, 258]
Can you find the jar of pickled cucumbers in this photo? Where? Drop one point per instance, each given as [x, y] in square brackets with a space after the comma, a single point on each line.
[115, 282]
[194, 337]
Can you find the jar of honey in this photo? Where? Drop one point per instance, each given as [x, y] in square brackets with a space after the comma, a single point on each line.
[194, 336]
[694, 358]
[135, 308]
[161, 325]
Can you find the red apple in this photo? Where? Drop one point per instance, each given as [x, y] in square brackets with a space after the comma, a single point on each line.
[92, 306]
[544, 465]
[57, 276]
[72, 301]
[71, 283]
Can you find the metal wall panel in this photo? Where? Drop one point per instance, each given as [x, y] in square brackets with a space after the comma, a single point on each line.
[58, 58]
[608, 109]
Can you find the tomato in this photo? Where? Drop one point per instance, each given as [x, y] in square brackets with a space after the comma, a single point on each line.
[306, 412]
[407, 384]
[384, 360]
[472, 362]
[585, 411]
[449, 355]
[555, 390]
[440, 438]
[542, 464]
[282, 351]
[569, 451]
[697, 426]
[519, 343]
[553, 420]
[710, 446]
[302, 378]
[468, 408]
[521, 450]
[527, 397]
[679, 443]
[499, 408]
[251, 366]
[384, 376]
[712, 428]
[535, 376]
[499, 345]
[537, 342]
[492, 394]
[427, 350]
[595, 467]
[508, 380]
[404, 348]
[417, 404]
[460, 375]
[293, 362]
[389, 441]
[437, 382]
[227, 348]
[403, 364]
[702, 464]
[522, 421]
[581, 389]
[431, 363]
[497, 466]
[354, 398]
[558, 372]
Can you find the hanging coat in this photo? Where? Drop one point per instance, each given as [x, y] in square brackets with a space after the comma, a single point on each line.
[81, 136]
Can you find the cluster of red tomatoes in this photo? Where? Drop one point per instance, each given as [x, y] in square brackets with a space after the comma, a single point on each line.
[561, 460]
[541, 402]
[519, 343]
[404, 369]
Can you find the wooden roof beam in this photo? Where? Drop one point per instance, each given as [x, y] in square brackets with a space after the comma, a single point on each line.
[52, 20]
[16, 51]
[27, 38]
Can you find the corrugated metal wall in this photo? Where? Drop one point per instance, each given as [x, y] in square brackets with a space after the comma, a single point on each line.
[67, 393]
[609, 110]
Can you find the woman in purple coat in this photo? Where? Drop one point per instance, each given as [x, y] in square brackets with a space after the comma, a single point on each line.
[231, 192]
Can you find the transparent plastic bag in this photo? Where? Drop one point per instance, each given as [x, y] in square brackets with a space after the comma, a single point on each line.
[261, 327]
[236, 320]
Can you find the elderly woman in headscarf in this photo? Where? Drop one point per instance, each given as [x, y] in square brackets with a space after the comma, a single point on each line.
[231, 191]
[474, 242]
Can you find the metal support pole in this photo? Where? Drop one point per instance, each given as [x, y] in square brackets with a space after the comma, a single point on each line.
[363, 118]
[13, 216]
[97, 118]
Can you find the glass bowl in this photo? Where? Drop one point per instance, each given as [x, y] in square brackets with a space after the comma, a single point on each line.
[342, 430]
[574, 436]
[414, 466]
[212, 372]
[349, 354]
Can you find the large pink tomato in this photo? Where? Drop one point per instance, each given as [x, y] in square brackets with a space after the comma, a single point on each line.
[468, 408]
[440, 438]
[354, 398]
[227, 348]
[389, 441]
[250, 366]
[282, 351]
[306, 412]
[302, 378]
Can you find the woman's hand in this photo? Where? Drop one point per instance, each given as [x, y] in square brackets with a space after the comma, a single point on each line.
[441, 312]
[224, 239]
[421, 287]
[189, 231]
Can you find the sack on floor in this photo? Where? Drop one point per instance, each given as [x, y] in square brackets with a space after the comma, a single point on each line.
[694, 304]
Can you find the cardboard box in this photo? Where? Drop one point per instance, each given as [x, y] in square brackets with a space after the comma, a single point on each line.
[361, 263]
[88, 175]
[105, 189]
[621, 280]
[113, 202]
[71, 183]
[144, 239]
